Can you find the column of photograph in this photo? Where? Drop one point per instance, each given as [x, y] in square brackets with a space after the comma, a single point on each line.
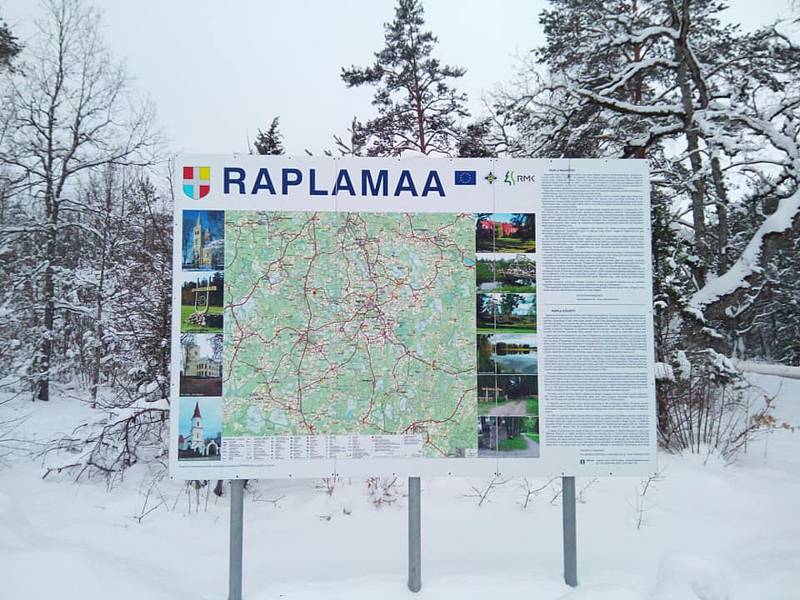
[201, 319]
[508, 403]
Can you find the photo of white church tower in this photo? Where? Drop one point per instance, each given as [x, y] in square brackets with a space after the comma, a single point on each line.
[200, 437]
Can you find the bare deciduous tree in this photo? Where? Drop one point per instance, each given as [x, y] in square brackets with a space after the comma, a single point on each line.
[72, 112]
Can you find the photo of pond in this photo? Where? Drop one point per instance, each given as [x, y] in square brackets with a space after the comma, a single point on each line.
[507, 353]
[496, 272]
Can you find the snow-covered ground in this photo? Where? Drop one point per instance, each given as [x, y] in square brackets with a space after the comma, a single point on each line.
[708, 532]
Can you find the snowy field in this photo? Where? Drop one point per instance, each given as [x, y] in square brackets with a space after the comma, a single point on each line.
[706, 531]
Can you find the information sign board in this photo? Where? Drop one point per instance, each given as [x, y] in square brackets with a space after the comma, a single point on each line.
[360, 316]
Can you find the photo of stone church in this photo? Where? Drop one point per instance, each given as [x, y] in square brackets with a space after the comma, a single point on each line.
[203, 240]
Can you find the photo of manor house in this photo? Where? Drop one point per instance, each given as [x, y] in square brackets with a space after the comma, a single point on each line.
[201, 364]
[200, 431]
[203, 240]
[505, 232]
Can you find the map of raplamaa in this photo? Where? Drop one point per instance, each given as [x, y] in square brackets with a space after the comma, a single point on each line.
[340, 323]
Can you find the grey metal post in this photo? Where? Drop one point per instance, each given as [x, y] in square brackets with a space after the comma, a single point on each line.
[570, 537]
[414, 536]
[237, 530]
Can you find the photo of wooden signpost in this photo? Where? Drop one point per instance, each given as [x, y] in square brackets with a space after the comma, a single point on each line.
[508, 395]
[201, 302]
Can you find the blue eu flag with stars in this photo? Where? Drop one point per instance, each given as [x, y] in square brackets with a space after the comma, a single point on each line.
[466, 178]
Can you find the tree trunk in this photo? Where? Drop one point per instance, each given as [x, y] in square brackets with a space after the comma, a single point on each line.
[638, 80]
[721, 203]
[104, 251]
[417, 95]
[98, 331]
[45, 354]
[697, 184]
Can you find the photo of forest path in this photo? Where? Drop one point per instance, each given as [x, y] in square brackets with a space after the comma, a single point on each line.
[508, 395]
[508, 437]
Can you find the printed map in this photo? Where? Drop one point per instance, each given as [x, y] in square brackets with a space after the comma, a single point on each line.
[351, 323]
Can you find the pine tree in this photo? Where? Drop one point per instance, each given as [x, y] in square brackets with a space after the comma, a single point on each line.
[710, 107]
[477, 140]
[356, 145]
[669, 82]
[9, 46]
[418, 110]
[269, 141]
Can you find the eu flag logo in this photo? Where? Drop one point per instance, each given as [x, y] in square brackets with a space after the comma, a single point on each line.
[466, 178]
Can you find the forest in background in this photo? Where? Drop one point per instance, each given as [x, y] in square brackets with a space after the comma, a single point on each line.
[85, 207]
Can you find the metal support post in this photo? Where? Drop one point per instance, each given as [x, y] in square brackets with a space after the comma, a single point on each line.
[414, 536]
[237, 530]
[570, 534]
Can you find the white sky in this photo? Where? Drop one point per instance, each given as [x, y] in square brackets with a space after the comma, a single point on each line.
[205, 349]
[218, 70]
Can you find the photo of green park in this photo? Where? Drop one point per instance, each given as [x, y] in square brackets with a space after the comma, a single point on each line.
[506, 313]
[518, 436]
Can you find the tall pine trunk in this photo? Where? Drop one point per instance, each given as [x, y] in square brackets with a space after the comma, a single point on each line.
[697, 185]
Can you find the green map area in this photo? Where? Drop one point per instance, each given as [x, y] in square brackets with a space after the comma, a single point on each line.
[351, 323]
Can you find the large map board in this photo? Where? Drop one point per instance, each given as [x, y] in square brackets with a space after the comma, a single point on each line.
[414, 317]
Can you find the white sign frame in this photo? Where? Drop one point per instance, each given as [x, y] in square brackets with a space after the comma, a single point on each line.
[502, 185]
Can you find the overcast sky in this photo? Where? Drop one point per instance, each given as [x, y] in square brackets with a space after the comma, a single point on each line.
[219, 70]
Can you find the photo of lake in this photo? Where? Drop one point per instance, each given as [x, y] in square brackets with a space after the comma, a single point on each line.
[507, 353]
